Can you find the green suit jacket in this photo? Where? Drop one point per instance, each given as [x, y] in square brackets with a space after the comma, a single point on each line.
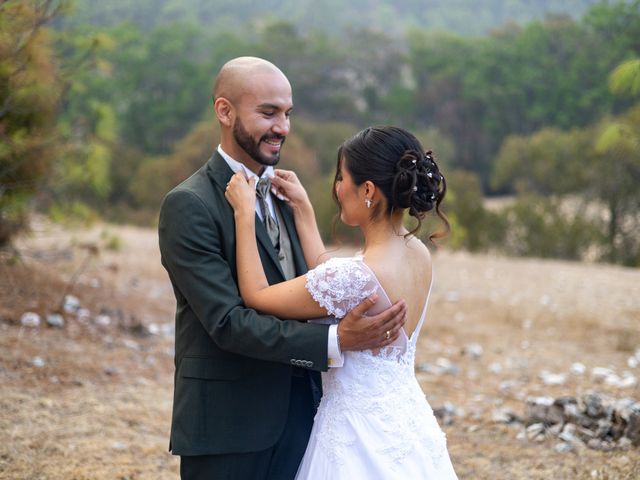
[233, 365]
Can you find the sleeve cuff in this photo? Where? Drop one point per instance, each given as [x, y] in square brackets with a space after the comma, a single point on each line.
[336, 359]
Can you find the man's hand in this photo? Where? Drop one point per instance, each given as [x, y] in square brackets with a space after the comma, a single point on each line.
[360, 332]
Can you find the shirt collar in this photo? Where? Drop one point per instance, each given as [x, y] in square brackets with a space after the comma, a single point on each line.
[236, 166]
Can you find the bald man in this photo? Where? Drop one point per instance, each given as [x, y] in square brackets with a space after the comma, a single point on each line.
[246, 385]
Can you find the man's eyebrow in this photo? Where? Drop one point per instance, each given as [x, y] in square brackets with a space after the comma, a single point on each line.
[273, 106]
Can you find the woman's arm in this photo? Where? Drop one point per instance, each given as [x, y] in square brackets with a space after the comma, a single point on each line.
[288, 299]
[288, 185]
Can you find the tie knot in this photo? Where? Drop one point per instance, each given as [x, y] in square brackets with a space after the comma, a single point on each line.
[262, 188]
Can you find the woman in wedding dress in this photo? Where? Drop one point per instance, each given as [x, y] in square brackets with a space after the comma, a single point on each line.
[374, 421]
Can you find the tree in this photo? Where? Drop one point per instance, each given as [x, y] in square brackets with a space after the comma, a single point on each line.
[29, 92]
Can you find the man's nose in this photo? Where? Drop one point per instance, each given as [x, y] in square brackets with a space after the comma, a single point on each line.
[282, 125]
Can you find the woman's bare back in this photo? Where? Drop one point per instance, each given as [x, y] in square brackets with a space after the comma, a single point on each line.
[403, 268]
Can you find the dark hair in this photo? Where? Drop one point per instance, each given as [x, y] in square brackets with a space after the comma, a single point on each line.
[394, 160]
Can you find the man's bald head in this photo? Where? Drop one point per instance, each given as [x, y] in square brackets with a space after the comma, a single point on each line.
[235, 76]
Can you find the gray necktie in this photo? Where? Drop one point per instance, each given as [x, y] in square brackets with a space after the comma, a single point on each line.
[262, 190]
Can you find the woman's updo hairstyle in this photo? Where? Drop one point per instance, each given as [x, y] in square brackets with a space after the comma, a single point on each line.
[394, 160]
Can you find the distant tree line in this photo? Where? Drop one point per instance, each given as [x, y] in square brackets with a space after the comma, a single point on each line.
[547, 111]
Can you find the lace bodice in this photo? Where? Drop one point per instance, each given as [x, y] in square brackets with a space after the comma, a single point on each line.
[379, 386]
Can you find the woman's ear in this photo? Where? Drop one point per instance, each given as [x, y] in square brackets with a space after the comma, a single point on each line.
[224, 111]
[369, 189]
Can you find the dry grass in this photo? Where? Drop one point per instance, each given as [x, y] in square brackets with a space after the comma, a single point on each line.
[100, 406]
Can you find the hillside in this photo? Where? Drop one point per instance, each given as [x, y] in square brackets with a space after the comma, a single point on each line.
[92, 400]
[467, 17]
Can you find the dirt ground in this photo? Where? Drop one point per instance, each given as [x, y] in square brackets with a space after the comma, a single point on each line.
[92, 400]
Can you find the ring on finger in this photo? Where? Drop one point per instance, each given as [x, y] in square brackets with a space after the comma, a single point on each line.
[388, 335]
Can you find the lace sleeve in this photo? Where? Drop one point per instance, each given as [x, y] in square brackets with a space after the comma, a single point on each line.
[340, 284]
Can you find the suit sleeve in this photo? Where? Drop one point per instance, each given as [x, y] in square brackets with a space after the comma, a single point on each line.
[192, 253]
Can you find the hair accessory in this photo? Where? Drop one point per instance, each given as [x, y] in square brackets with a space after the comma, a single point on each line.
[414, 161]
[433, 196]
[367, 202]
[415, 188]
[429, 174]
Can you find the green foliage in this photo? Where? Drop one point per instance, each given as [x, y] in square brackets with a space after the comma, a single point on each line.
[526, 108]
[539, 226]
[625, 79]
[473, 226]
[600, 165]
[157, 175]
[549, 161]
[617, 150]
[111, 241]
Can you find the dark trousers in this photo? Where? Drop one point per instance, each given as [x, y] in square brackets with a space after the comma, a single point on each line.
[279, 462]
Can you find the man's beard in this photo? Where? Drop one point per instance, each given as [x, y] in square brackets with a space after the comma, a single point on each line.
[249, 145]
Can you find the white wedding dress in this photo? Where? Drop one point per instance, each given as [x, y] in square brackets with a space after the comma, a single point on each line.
[374, 421]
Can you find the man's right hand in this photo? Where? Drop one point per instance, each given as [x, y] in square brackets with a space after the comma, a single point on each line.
[360, 332]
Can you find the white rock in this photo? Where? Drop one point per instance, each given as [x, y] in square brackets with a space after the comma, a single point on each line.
[578, 368]
[613, 380]
[168, 329]
[549, 378]
[102, 320]
[628, 380]
[133, 345]
[568, 433]
[563, 447]
[600, 374]
[71, 304]
[495, 368]
[633, 362]
[509, 385]
[545, 401]
[55, 320]
[447, 366]
[504, 415]
[30, 319]
[535, 431]
[473, 350]
[38, 362]
[154, 328]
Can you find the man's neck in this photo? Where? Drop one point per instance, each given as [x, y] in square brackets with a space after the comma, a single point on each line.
[242, 158]
[258, 169]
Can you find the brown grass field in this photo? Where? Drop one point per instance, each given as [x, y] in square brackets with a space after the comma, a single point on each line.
[93, 400]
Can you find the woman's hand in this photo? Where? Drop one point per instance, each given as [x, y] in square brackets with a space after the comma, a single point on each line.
[288, 188]
[241, 194]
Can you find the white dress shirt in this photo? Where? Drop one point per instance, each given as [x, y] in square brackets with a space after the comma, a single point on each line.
[335, 357]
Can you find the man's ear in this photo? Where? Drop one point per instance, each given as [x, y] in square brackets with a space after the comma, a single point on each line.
[224, 111]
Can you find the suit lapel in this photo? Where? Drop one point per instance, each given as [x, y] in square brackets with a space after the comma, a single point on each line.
[220, 173]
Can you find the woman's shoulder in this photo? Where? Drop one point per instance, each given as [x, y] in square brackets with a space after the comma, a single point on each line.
[345, 265]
